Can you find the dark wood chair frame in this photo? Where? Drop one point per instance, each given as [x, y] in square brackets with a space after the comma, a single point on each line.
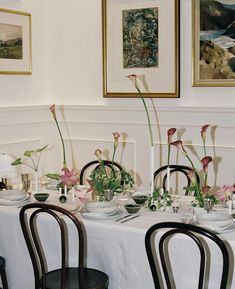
[81, 274]
[195, 233]
[173, 169]
[3, 273]
[96, 165]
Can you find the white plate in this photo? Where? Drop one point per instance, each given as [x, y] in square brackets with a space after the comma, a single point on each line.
[13, 195]
[102, 207]
[14, 203]
[96, 216]
[215, 219]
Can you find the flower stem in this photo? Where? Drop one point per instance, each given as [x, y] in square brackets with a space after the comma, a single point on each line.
[63, 146]
[148, 118]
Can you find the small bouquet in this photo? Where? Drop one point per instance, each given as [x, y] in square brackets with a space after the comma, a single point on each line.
[160, 199]
[103, 178]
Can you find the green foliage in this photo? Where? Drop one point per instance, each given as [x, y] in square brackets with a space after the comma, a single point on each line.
[159, 199]
[33, 155]
[104, 178]
[53, 176]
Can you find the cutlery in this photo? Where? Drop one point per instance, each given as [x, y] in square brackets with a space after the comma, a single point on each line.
[126, 220]
[124, 217]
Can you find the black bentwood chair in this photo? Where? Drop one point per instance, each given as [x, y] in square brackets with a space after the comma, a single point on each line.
[196, 234]
[94, 165]
[64, 277]
[175, 169]
[3, 273]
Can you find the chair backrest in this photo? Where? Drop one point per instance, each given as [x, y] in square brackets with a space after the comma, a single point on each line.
[196, 233]
[94, 165]
[3, 273]
[29, 224]
[174, 169]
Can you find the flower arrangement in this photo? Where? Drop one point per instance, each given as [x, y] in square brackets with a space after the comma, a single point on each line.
[103, 178]
[69, 178]
[160, 199]
[202, 192]
[133, 79]
[225, 192]
[33, 155]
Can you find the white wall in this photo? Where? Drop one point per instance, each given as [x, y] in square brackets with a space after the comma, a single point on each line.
[67, 70]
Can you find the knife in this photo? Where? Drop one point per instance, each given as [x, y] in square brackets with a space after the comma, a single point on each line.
[126, 220]
[124, 217]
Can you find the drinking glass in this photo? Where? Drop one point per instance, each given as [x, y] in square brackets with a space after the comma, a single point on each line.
[186, 212]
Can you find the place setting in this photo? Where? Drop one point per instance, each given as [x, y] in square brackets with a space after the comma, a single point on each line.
[14, 197]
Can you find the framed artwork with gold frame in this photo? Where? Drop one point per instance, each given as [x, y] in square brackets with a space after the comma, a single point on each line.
[141, 38]
[15, 42]
[213, 43]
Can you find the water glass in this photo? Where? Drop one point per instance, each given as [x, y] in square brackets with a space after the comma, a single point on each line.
[186, 212]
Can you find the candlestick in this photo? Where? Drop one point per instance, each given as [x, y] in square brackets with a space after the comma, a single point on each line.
[168, 179]
[65, 190]
[60, 191]
[151, 170]
[230, 203]
[73, 193]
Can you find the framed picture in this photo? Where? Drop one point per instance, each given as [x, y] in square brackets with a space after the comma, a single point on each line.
[213, 43]
[141, 37]
[15, 42]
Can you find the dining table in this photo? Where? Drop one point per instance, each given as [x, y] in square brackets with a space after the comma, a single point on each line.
[114, 247]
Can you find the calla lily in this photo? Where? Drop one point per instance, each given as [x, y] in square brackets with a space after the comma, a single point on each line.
[192, 176]
[170, 133]
[69, 178]
[52, 109]
[133, 78]
[179, 145]
[203, 131]
[203, 135]
[205, 189]
[98, 154]
[205, 162]
[116, 136]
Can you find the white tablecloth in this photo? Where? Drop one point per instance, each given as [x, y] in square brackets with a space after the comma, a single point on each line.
[117, 249]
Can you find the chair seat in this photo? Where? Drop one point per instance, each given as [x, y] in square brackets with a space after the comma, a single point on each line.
[93, 279]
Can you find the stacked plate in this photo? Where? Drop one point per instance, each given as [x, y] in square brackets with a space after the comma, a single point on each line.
[102, 210]
[13, 197]
[216, 221]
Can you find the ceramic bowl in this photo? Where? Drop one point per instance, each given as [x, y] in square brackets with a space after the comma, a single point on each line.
[215, 219]
[102, 207]
[140, 199]
[41, 197]
[132, 208]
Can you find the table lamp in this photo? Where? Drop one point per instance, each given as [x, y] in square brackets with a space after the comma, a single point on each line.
[6, 169]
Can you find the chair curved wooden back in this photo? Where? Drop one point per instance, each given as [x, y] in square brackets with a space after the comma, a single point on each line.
[174, 169]
[94, 165]
[195, 233]
[3, 273]
[77, 277]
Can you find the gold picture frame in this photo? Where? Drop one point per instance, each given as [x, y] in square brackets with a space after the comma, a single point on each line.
[213, 51]
[148, 47]
[15, 42]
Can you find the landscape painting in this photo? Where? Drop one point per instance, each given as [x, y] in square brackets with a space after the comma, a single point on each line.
[214, 42]
[15, 42]
[140, 38]
[10, 41]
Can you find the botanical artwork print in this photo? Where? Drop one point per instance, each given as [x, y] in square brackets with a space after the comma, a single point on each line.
[217, 39]
[140, 38]
[11, 41]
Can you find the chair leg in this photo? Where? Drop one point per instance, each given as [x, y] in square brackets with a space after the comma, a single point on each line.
[3, 273]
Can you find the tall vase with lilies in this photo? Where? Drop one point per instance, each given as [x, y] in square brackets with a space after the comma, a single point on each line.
[202, 192]
[69, 178]
[133, 79]
[105, 178]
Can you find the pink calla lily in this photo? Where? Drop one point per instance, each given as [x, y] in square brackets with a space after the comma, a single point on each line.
[203, 131]
[179, 145]
[205, 162]
[170, 134]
